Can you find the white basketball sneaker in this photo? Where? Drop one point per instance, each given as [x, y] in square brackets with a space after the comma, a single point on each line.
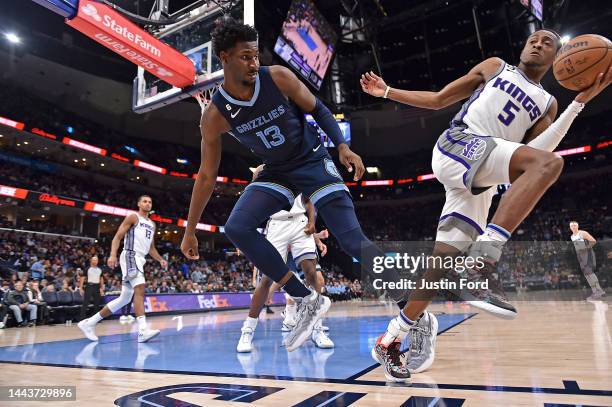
[245, 344]
[88, 330]
[149, 334]
[423, 337]
[289, 320]
[321, 340]
[310, 309]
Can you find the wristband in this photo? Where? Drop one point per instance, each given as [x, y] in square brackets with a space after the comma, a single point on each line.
[386, 92]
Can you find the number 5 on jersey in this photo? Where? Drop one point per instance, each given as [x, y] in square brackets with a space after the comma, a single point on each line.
[508, 110]
[271, 137]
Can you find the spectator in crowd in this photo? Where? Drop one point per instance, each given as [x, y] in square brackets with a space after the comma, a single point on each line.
[37, 270]
[19, 302]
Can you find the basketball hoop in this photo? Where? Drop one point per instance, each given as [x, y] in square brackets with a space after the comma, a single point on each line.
[204, 96]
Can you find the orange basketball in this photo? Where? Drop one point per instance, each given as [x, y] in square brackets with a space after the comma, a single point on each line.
[581, 59]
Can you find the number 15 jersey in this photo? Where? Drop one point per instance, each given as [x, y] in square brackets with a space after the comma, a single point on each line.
[270, 125]
[506, 106]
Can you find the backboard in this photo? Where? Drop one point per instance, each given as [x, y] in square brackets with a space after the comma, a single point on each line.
[192, 37]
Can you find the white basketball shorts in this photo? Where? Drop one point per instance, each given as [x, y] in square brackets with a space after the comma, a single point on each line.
[132, 268]
[470, 167]
[290, 232]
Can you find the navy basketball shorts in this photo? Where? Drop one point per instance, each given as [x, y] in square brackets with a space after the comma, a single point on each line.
[319, 180]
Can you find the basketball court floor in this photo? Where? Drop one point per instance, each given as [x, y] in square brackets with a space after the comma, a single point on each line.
[556, 353]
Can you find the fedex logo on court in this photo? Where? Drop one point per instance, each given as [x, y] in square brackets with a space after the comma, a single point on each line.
[216, 301]
[152, 304]
[109, 21]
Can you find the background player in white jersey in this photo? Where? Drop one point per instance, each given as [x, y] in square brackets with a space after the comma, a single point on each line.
[137, 232]
[583, 243]
[295, 230]
[484, 147]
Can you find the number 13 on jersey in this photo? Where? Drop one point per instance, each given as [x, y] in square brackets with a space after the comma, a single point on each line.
[271, 137]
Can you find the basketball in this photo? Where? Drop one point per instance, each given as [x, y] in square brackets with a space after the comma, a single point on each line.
[581, 59]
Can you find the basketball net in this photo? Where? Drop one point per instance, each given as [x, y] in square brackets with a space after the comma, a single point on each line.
[204, 97]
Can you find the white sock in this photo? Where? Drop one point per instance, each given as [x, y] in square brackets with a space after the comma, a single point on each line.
[318, 325]
[142, 323]
[250, 323]
[398, 329]
[94, 319]
[494, 233]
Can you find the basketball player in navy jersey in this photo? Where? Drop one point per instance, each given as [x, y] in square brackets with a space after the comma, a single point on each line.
[263, 108]
[504, 134]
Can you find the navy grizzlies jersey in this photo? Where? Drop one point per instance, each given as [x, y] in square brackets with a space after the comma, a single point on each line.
[270, 125]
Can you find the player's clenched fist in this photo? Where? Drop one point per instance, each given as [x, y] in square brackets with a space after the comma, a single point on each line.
[189, 246]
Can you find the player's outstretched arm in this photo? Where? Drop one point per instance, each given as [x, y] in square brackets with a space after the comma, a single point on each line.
[547, 133]
[127, 223]
[455, 91]
[212, 125]
[295, 90]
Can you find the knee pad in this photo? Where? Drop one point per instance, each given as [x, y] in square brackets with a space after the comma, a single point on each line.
[124, 298]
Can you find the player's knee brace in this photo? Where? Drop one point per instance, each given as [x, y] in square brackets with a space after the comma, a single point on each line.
[124, 298]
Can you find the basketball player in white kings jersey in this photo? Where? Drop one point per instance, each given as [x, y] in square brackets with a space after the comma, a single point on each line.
[505, 133]
[583, 243]
[294, 230]
[137, 232]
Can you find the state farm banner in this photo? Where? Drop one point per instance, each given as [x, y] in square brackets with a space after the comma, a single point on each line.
[196, 302]
[106, 26]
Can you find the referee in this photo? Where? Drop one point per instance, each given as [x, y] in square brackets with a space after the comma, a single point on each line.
[93, 287]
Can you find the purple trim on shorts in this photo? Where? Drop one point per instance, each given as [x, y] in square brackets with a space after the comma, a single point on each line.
[453, 156]
[452, 140]
[465, 219]
[296, 259]
[459, 160]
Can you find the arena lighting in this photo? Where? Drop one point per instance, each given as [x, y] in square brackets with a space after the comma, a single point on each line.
[565, 39]
[149, 167]
[182, 161]
[200, 226]
[83, 146]
[377, 183]
[12, 38]
[372, 170]
[426, 177]
[13, 192]
[11, 123]
[572, 151]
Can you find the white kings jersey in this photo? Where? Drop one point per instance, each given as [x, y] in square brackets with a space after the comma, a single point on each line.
[580, 243]
[138, 239]
[506, 106]
[296, 210]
